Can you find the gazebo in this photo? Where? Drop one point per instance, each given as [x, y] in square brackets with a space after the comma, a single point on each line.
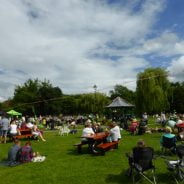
[119, 109]
[118, 102]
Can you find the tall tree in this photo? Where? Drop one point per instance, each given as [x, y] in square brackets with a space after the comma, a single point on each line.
[153, 91]
[38, 97]
[84, 103]
[177, 97]
[124, 93]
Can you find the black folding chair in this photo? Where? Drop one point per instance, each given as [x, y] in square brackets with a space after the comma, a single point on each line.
[141, 161]
[169, 144]
[177, 167]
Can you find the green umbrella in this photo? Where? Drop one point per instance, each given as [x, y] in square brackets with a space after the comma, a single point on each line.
[14, 113]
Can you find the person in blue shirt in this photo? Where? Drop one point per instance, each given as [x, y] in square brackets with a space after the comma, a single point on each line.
[14, 154]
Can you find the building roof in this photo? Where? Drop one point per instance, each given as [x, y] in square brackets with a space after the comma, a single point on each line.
[119, 102]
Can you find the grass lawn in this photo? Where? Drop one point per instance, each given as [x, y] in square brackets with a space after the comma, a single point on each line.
[64, 165]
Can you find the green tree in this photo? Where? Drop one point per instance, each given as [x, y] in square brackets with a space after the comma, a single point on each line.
[153, 91]
[37, 96]
[177, 97]
[84, 103]
[124, 93]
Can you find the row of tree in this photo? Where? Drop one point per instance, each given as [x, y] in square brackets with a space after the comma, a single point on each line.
[154, 93]
[37, 97]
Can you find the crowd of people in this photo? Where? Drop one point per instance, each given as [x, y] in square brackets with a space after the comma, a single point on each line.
[12, 127]
[24, 154]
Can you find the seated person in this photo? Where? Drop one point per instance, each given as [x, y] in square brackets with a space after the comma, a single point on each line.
[87, 131]
[29, 125]
[114, 133]
[14, 154]
[141, 155]
[26, 153]
[99, 128]
[171, 123]
[168, 134]
[142, 127]
[73, 124]
[36, 132]
[180, 120]
[94, 127]
[133, 126]
[23, 125]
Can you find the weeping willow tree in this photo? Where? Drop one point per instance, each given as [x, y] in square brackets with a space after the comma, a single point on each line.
[152, 92]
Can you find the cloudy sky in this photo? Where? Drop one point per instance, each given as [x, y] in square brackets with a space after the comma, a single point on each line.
[78, 43]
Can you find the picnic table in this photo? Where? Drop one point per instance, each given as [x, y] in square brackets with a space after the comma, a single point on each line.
[97, 136]
[92, 141]
[97, 143]
[24, 133]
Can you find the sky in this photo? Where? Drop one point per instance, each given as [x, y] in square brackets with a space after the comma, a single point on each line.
[78, 43]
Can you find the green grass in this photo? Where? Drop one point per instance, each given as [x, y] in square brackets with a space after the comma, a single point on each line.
[64, 165]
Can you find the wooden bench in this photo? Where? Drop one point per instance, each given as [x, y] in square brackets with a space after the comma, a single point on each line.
[107, 146]
[24, 133]
[79, 146]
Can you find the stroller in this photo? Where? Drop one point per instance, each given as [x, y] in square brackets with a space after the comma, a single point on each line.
[177, 167]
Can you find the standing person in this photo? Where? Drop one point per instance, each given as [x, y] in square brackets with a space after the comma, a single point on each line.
[13, 129]
[163, 119]
[5, 123]
[145, 117]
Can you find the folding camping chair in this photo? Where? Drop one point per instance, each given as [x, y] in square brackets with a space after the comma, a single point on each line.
[169, 144]
[177, 167]
[141, 161]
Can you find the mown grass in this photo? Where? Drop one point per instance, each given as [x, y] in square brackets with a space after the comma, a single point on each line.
[64, 165]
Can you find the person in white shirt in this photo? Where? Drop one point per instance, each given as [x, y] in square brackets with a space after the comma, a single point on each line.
[145, 117]
[29, 125]
[163, 119]
[115, 133]
[13, 128]
[87, 131]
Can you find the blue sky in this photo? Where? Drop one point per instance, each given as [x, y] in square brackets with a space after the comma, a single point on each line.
[172, 17]
[76, 43]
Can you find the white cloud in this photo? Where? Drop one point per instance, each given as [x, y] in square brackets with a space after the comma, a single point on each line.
[176, 69]
[56, 40]
[167, 44]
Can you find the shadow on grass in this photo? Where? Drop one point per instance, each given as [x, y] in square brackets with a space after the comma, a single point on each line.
[4, 162]
[163, 178]
[118, 178]
[75, 152]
